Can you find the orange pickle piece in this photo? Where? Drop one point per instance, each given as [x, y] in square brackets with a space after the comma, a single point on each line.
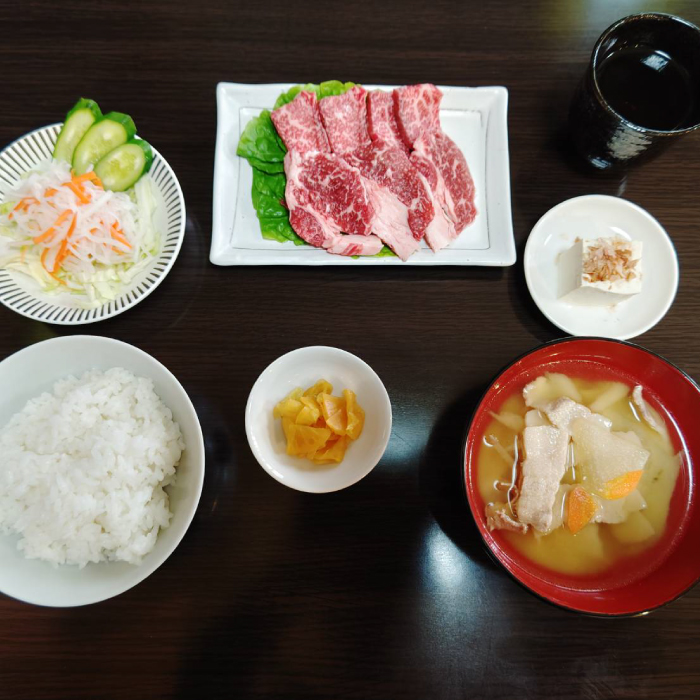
[319, 426]
[334, 412]
[355, 415]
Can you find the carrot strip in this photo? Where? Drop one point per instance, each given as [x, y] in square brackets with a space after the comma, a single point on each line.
[77, 191]
[58, 279]
[87, 177]
[50, 191]
[51, 230]
[71, 228]
[43, 260]
[24, 203]
[63, 216]
[119, 237]
[59, 257]
[47, 234]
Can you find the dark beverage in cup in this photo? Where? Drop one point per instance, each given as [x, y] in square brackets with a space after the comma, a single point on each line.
[641, 90]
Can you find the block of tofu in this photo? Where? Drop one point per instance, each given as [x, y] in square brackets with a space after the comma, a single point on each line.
[605, 456]
[562, 411]
[600, 271]
[546, 449]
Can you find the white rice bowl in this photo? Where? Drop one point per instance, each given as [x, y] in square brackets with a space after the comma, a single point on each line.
[82, 470]
[35, 370]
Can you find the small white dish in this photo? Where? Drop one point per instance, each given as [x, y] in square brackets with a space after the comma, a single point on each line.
[303, 368]
[596, 216]
[475, 118]
[35, 369]
[23, 294]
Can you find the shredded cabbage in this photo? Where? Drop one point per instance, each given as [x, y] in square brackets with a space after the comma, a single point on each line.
[72, 236]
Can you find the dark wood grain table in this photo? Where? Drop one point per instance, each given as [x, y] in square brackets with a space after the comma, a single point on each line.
[382, 590]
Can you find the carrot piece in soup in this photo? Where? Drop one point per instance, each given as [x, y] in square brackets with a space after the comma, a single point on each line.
[622, 485]
[580, 509]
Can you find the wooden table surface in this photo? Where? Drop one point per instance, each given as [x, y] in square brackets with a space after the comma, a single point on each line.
[382, 590]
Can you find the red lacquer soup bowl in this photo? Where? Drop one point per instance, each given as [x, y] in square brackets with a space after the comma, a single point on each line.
[668, 568]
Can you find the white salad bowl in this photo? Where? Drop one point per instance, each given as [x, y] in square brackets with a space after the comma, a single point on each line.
[22, 294]
[35, 369]
[303, 368]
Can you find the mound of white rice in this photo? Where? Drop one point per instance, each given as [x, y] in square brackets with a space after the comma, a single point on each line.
[82, 470]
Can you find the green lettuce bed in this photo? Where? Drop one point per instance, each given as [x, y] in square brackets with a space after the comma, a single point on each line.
[262, 147]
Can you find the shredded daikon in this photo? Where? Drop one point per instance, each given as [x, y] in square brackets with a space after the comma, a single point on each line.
[71, 235]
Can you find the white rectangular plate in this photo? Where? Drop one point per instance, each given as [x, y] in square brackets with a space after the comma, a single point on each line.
[475, 118]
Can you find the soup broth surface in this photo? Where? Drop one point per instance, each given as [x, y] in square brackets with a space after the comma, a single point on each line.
[597, 546]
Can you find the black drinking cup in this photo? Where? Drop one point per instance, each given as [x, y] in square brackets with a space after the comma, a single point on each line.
[644, 68]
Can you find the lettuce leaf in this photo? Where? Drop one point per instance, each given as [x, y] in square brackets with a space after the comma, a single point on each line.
[385, 252]
[326, 89]
[262, 147]
[260, 143]
[268, 195]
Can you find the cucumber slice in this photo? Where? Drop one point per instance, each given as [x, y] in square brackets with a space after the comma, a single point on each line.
[80, 118]
[125, 120]
[104, 136]
[122, 167]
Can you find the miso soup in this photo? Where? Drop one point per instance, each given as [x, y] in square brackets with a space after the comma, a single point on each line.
[597, 545]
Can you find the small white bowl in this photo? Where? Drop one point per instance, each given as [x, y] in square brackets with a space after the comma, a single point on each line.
[35, 369]
[597, 216]
[303, 368]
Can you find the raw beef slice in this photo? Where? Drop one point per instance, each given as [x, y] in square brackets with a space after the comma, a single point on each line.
[392, 184]
[417, 109]
[389, 167]
[325, 197]
[344, 118]
[456, 186]
[381, 120]
[299, 125]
